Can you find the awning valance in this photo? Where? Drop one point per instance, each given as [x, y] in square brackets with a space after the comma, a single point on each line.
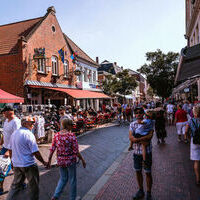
[184, 85]
[6, 97]
[79, 94]
[189, 66]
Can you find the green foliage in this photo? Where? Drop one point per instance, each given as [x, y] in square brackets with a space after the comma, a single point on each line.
[123, 83]
[160, 71]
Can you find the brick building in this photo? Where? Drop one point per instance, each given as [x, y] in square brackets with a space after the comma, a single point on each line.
[36, 63]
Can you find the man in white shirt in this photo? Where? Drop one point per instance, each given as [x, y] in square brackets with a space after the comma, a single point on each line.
[170, 113]
[23, 150]
[11, 124]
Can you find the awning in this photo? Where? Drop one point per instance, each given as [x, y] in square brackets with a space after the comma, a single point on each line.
[6, 97]
[189, 66]
[184, 85]
[78, 94]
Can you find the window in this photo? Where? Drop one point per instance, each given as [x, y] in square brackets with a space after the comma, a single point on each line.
[94, 76]
[66, 68]
[90, 76]
[54, 60]
[85, 75]
[41, 65]
[53, 28]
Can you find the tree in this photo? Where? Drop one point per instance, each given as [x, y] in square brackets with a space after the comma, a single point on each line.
[160, 71]
[123, 83]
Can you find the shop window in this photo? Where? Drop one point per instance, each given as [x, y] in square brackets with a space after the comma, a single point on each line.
[41, 65]
[54, 60]
[66, 68]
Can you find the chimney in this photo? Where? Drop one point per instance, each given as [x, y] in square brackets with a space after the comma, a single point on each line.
[115, 63]
[97, 60]
[51, 10]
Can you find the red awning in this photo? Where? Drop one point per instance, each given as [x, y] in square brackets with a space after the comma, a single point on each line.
[6, 97]
[78, 94]
[82, 94]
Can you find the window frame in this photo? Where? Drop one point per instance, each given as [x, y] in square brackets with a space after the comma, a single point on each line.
[41, 65]
[54, 65]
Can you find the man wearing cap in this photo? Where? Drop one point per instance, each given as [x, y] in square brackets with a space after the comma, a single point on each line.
[11, 124]
[23, 149]
[136, 127]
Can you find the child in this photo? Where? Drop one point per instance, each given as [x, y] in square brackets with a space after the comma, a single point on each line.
[145, 129]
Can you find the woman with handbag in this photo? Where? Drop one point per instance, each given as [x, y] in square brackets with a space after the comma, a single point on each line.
[194, 126]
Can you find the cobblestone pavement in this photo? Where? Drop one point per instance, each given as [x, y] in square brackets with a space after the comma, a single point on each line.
[100, 148]
[173, 175]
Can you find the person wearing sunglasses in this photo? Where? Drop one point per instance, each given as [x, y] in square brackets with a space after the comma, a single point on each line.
[140, 127]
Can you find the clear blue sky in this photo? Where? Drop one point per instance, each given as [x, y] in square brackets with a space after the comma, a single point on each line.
[115, 30]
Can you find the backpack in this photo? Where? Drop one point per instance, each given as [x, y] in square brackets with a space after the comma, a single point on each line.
[196, 134]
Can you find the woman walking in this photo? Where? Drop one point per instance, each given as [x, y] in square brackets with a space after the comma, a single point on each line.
[160, 124]
[67, 152]
[193, 125]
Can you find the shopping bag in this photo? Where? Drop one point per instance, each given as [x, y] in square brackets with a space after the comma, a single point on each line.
[5, 164]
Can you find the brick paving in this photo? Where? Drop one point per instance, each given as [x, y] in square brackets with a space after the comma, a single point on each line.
[173, 175]
[100, 148]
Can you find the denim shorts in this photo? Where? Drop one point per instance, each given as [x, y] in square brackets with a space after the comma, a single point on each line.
[138, 162]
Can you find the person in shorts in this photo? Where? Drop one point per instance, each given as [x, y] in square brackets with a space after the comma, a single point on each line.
[137, 155]
[145, 129]
[181, 122]
[170, 113]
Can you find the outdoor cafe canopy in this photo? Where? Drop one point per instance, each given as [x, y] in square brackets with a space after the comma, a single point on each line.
[6, 97]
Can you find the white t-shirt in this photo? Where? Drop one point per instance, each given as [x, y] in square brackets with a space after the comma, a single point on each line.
[23, 145]
[170, 108]
[8, 128]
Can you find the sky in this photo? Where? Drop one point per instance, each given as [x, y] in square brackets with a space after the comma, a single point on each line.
[119, 31]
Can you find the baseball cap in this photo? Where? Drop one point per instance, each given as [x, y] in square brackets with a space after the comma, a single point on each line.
[8, 108]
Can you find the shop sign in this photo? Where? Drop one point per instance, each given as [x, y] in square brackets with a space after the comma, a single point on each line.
[92, 85]
[186, 89]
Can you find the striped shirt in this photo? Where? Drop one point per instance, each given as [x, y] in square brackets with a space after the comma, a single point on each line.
[137, 147]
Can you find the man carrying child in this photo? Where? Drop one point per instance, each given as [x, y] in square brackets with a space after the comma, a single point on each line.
[142, 150]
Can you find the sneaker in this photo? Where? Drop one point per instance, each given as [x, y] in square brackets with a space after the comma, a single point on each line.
[179, 140]
[139, 194]
[148, 197]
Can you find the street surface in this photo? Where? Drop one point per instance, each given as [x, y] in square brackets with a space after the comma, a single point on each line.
[99, 148]
[173, 175]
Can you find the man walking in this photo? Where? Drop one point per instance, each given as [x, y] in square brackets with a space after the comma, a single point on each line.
[11, 124]
[23, 148]
[136, 126]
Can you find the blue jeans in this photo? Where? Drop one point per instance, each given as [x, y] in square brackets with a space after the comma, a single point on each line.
[65, 173]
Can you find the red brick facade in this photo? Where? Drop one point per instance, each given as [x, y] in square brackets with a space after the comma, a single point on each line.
[18, 67]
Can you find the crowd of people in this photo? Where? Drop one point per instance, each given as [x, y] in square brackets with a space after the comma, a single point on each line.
[184, 115]
[19, 143]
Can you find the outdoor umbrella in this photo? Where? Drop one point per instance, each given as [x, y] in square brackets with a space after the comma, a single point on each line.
[6, 97]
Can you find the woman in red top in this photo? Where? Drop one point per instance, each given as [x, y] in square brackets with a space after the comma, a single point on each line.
[181, 122]
[67, 152]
